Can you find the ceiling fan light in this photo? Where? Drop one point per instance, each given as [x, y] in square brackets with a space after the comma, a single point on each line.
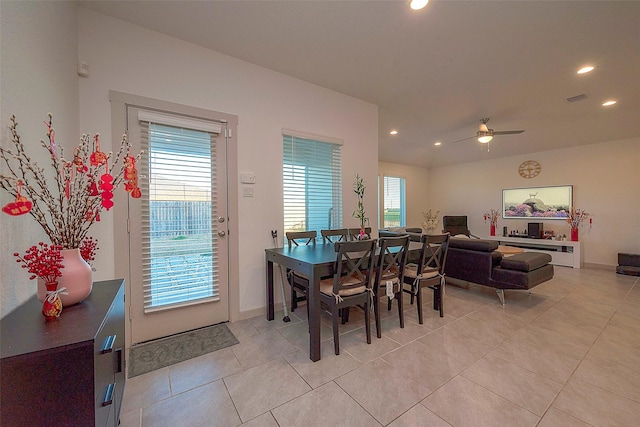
[418, 4]
[484, 138]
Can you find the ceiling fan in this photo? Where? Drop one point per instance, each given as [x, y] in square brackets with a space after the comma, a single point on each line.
[485, 134]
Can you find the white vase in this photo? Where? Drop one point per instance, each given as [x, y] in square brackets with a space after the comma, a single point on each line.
[76, 278]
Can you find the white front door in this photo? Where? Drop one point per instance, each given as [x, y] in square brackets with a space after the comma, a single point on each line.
[178, 228]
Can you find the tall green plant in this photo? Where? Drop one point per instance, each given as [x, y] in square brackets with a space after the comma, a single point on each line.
[358, 188]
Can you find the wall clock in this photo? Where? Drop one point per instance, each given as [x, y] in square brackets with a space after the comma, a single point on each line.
[529, 169]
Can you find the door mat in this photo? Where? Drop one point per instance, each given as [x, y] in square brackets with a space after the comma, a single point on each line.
[156, 354]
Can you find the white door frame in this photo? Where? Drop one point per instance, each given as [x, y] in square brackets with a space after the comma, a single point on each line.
[119, 102]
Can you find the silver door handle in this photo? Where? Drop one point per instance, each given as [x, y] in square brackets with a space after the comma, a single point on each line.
[221, 233]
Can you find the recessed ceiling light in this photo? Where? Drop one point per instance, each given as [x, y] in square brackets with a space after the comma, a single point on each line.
[585, 69]
[393, 132]
[608, 103]
[437, 143]
[418, 4]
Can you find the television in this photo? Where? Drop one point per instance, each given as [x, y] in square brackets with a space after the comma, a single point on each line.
[537, 203]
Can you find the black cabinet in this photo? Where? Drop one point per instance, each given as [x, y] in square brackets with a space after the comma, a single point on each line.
[69, 372]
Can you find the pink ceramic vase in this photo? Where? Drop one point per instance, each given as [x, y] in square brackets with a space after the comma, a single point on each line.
[76, 279]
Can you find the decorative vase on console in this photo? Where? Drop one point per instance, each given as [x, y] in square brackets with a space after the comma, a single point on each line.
[76, 278]
[430, 221]
[492, 217]
[574, 234]
[575, 217]
[82, 187]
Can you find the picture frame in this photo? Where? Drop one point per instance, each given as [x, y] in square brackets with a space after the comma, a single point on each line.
[552, 202]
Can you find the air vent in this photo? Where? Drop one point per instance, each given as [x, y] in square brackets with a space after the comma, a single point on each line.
[577, 98]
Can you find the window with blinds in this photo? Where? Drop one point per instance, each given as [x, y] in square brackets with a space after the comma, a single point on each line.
[179, 261]
[312, 184]
[394, 213]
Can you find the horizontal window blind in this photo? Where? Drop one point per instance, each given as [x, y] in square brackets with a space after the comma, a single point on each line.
[394, 202]
[312, 184]
[179, 250]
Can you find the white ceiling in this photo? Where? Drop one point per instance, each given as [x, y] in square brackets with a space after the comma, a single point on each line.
[435, 73]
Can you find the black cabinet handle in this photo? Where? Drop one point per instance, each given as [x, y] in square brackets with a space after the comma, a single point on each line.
[118, 360]
[107, 346]
[108, 395]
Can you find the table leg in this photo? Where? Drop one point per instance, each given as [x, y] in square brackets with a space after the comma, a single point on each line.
[313, 299]
[270, 309]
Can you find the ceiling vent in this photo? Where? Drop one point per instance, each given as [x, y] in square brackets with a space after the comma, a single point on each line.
[577, 98]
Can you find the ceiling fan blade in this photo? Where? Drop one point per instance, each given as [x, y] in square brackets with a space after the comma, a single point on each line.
[507, 132]
[463, 139]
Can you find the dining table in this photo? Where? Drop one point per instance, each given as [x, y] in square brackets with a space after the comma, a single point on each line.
[314, 261]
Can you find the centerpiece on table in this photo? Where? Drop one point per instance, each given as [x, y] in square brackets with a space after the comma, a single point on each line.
[492, 216]
[430, 221]
[67, 198]
[358, 188]
[575, 217]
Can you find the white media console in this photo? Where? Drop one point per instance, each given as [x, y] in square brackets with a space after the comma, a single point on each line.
[563, 252]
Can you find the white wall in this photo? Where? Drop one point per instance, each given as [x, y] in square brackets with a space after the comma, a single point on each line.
[38, 54]
[417, 180]
[605, 179]
[129, 59]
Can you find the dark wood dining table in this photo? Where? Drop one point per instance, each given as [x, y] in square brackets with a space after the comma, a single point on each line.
[315, 261]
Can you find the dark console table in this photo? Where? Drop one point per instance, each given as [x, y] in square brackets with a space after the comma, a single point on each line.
[69, 372]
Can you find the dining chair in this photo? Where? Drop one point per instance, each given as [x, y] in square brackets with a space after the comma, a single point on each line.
[350, 285]
[335, 235]
[428, 272]
[299, 282]
[355, 232]
[389, 273]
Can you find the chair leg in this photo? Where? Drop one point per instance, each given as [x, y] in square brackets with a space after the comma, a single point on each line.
[400, 308]
[376, 314]
[345, 315]
[367, 322]
[336, 341]
[294, 299]
[419, 298]
[438, 300]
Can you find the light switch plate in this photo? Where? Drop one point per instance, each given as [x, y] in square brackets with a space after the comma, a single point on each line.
[248, 178]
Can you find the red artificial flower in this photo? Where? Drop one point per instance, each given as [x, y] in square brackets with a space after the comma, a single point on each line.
[88, 249]
[43, 261]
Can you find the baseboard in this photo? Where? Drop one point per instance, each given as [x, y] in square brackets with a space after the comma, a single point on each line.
[599, 266]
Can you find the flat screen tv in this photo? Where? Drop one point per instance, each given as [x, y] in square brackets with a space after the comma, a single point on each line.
[537, 202]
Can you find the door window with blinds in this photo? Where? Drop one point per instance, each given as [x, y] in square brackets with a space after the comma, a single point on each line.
[394, 213]
[178, 245]
[312, 184]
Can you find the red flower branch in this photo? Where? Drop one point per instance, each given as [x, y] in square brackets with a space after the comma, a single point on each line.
[42, 261]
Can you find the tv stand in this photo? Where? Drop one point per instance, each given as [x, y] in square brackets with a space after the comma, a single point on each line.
[563, 252]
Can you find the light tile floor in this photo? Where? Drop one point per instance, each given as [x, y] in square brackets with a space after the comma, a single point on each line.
[566, 355]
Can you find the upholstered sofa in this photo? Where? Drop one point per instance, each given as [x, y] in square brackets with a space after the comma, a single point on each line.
[478, 261]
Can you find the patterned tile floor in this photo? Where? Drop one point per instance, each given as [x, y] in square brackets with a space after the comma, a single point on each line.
[566, 355]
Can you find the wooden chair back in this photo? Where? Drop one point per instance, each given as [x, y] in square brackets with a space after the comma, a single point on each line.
[296, 238]
[334, 235]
